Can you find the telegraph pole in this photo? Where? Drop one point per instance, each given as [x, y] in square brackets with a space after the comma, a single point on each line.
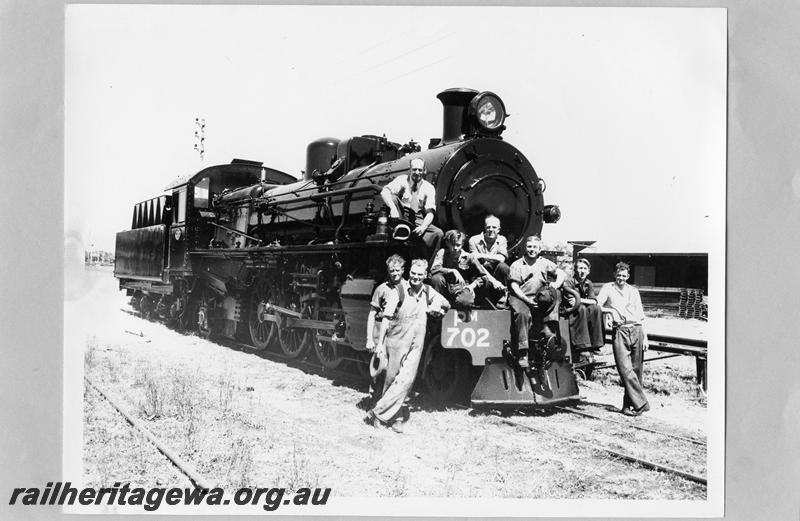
[200, 136]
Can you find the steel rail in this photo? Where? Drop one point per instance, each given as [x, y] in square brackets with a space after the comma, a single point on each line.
[181, 464]
[621, 455]
[626, 424]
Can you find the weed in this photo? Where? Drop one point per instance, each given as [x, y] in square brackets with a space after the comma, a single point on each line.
[398, 485]
[124, 357]
[190, 428]
[105, 466]
[153, 405]
[141, 446]
[240, 466]
[90, 353]
[301, 473]
[182, 394]
[699, 396]
[226, 390]
[140, 371]
[452, 469]
[112, 368]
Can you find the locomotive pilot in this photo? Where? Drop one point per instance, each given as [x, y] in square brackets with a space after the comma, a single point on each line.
[630, 340]
[413, 198]
[527, 275]
[402, 339]
[491, 249]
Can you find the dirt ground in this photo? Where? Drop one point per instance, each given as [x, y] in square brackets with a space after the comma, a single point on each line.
[244, 420]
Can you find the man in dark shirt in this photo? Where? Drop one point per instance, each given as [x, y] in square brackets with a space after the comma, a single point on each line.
[586, 322]
[460, 277]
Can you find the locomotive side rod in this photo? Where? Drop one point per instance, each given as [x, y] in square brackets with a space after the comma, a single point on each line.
[185, 467]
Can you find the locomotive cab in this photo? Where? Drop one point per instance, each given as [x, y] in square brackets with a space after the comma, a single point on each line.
[196, 221]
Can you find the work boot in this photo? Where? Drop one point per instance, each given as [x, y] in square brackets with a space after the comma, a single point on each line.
[522, 358]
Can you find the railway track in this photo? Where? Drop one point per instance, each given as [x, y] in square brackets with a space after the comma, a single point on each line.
[573, 410]
[354, 380]
[612, 442]
[605, 443]
[183, 466]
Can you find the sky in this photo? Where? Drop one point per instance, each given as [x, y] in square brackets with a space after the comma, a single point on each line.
[620, 110]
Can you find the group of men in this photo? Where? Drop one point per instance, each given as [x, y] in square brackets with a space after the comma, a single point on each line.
[531, 287]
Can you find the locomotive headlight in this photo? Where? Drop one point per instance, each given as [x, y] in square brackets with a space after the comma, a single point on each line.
[551, 213]
[488, 111]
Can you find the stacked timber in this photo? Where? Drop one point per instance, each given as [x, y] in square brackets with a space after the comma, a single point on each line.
[662, 301]
[671, 302]
[691, 303]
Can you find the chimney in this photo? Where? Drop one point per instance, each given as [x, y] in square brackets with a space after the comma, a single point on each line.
[455, 103]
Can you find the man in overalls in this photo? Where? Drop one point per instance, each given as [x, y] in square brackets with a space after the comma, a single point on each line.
[403, 339]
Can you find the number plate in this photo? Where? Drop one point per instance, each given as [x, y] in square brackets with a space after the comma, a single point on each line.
[480, 332]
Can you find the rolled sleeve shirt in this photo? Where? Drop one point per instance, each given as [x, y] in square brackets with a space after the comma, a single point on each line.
[477, 244]
[420, 202]
[385, 299]
[530, 277]
[625, 301]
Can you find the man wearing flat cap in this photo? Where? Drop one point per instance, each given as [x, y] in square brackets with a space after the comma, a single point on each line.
[586, 321]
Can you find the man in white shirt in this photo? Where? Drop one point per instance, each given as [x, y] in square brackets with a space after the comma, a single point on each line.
[630, 340]
[527, 275]
[491, 248]
[413, 198]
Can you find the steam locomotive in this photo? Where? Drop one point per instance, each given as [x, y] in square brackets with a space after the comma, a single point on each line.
[245, 251]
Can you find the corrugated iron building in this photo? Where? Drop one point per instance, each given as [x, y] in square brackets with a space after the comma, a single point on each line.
[663, 269]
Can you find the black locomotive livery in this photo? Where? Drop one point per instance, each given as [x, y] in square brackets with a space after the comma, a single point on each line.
[244, 251]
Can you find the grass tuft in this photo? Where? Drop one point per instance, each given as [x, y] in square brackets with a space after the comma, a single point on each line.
[226, 390]
[240, 465]
[90, 354]
[152, 406]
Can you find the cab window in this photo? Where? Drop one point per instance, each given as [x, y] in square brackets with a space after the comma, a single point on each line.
[179, 210]
[201, 194]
